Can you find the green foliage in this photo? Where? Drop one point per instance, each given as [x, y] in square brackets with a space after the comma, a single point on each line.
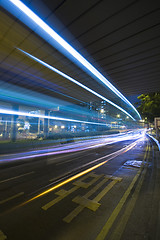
[149, 105]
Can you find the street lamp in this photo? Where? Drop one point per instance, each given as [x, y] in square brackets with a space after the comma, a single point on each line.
[102, 110]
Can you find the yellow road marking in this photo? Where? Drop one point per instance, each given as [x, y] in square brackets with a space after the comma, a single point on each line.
[118, 208]
[68, 180]
[93, 190]
[10, 198]
[91, 204]
[9, 179]
[78, 209]
[63, 193]
[105, 190]
[86, 203]
[73, 214]
[111, 177]
[60, 197]
[111, 156]
[124, 219]
[82, 184]
[2, 236]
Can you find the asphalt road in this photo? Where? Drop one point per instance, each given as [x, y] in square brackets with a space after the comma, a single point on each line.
[91, 193]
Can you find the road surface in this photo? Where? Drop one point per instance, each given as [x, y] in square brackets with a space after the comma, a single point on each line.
[98, 189]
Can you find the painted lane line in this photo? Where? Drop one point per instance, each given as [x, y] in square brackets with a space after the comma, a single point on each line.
[70, 179]
[106, 189]
[85, 202]
[53, 160]
[102, 235]
[61, 177]
[78, 184]
[22, 175]
[12, 197]
[71, 160]
[129, 208]
[82, 201]
[82, 184]
[110, 156]
[2, 236]
[62, 194]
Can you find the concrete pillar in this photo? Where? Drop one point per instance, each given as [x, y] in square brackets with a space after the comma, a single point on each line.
[5, 127]
[46, 124]
[39, 121]
[14, 123]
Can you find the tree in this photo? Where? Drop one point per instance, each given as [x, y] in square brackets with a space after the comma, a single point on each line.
[149, 105]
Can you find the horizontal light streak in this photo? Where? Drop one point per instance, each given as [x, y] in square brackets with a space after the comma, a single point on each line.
[12, 112]
[39, 22]
[71, 148]
[74, 81]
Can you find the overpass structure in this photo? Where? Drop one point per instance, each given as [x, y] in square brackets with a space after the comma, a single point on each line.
[67, 61]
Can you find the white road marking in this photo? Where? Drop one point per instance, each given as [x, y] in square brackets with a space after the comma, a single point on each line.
[22, 175]
[12, 197]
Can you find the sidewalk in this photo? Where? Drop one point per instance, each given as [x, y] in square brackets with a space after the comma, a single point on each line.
[144, 221]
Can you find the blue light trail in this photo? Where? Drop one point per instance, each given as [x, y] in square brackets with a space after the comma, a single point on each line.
[75, 81]
[56, 39]
[12, 112]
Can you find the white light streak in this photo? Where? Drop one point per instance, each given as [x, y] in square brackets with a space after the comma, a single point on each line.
[12, 112]
[74, 81]
[21, 6]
